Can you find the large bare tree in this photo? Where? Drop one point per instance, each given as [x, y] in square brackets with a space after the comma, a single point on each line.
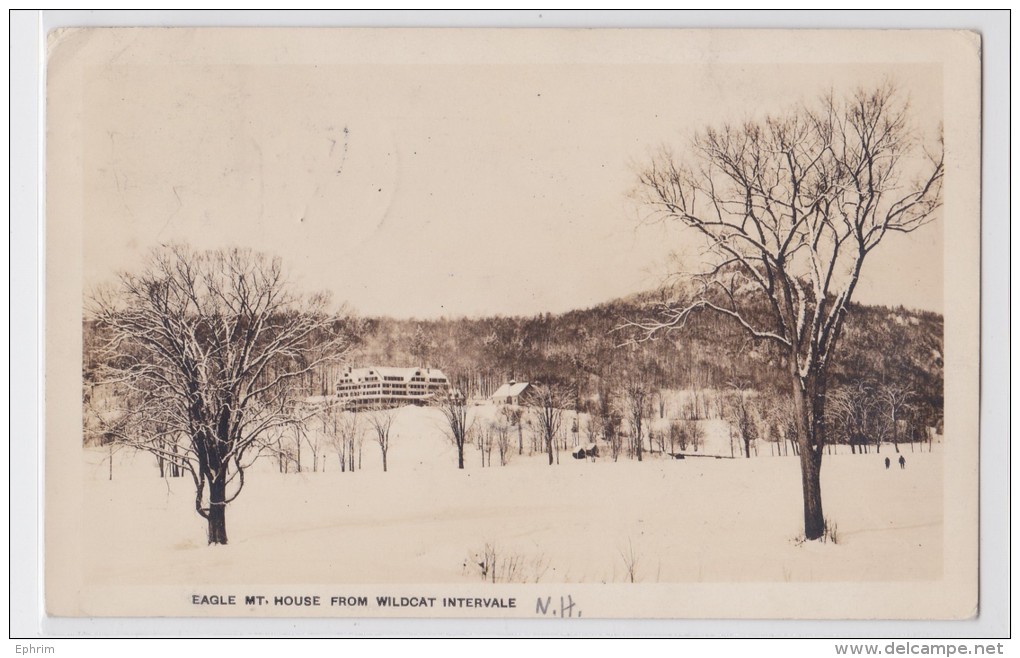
[789, 208]
[206, 345]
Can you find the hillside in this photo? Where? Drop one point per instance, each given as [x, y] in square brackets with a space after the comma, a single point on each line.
[585, 349]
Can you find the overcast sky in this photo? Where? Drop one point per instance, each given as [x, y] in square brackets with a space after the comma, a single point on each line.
[420, 176]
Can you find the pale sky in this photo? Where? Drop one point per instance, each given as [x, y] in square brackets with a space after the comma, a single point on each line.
[478, 173]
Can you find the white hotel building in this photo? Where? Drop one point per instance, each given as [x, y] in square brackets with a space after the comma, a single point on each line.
[390, 387]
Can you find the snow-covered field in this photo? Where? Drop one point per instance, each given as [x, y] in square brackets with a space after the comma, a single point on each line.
[425, 521]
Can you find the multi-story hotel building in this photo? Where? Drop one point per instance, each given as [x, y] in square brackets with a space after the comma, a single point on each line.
[390, 387]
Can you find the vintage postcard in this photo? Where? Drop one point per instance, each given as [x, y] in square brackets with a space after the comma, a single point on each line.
[512, 323]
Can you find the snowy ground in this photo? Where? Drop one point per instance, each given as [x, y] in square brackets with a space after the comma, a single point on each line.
[425, 521]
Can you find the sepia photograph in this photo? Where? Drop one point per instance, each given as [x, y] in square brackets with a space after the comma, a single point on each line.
[655, 324]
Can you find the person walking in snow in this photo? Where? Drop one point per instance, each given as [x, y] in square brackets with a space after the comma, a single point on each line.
[903, 461]
[887, 463]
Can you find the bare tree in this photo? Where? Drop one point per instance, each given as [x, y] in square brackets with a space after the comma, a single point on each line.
[345, 433]
[660, 403]
[609, 420]
[790, 207]
[107, 422]
[273, 445]
[741, 415]
[296, 433]
[501, 429]
[536, 434]
[548, 414]
[421, 347]
[306, 434]
[692, 433]
[639, 407]
[696, 433]
[895, 401]
[381, 420]
[485, 439]
[455, 410]
[336, 423]
[853, 411]
[775, 411]
[592, 429]
[677, 436]
[514, 415]
[842, 418]
[205, 344]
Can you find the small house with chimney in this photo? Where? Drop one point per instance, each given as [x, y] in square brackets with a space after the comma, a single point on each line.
[512, 392]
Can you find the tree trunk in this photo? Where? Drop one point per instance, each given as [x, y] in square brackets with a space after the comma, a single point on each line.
[460, 455]
[808, 408]
[811, 467]
[217, 512]
[747, 447]
[175, 469]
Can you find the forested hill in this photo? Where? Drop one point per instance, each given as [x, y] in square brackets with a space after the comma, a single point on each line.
[586, 352]
[586, 349]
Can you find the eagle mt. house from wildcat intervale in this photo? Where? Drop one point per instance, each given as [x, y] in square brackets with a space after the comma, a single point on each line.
[383, 386]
